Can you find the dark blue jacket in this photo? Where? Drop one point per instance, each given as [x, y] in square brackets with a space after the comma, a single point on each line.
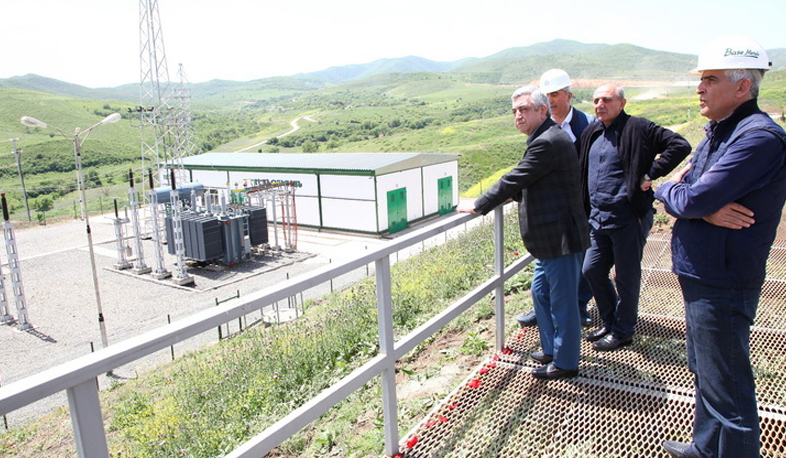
[743, 160]
[645, 148]
[578, 123]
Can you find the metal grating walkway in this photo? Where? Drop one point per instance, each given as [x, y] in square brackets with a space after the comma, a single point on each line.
[623, 403]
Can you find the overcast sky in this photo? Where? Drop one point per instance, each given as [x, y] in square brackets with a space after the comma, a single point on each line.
[95, 43]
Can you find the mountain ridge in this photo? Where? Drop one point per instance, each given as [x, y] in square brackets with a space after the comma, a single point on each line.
[509, 66]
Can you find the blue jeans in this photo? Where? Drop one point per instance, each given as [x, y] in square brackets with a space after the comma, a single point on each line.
[718, 321]
[621, 248]
[585, 292]
[554, 293]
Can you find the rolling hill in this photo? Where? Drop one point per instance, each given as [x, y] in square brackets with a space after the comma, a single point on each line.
[518, 64]
[511, 66]
[405, 104]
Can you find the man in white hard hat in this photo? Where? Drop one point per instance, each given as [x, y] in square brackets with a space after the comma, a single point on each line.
[556, 83]
[728, 202]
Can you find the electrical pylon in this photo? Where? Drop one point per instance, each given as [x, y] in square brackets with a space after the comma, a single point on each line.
[184, 122]
[161, 112]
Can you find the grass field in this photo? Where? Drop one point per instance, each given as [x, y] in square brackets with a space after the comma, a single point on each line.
[419, 112]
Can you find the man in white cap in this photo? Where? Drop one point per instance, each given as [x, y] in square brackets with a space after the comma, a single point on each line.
[728, 202]
[556, 84]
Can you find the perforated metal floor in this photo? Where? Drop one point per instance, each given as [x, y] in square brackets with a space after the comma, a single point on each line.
[623, 403]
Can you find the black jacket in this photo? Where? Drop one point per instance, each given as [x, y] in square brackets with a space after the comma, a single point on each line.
[645, 149]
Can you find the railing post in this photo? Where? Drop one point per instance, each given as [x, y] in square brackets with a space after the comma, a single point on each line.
[499, 269]
[87, 420]
[386, 347]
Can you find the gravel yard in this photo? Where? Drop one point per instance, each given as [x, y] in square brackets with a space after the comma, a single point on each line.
[56, 274]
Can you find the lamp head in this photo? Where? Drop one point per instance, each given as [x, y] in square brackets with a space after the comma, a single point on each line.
[33, 122]
[113, 118]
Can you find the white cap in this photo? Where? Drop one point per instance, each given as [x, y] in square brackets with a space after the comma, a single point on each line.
[554, 80]
[732, 52]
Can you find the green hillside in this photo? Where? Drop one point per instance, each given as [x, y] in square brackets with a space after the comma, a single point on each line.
[554, 47]
[38, 83]
[48, 157]
[608, 62]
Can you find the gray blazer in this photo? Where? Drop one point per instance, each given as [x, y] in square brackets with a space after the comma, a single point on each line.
[546, 184]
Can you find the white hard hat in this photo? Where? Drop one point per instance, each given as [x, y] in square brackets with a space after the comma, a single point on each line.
[732, 52]
[554, 80]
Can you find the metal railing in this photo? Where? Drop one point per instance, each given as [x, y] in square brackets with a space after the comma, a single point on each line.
[78, 378]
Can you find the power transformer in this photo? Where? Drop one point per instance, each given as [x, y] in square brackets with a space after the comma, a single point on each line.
[220, 239]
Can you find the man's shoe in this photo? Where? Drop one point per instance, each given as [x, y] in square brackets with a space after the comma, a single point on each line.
[528, 320]
[586, 321]
[541, 357]
[552, 372]
[679, 449]
[611, 343]
[597, 334]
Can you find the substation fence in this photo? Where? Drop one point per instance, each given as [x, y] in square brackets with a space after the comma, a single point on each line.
[623, 403]
[78, 378]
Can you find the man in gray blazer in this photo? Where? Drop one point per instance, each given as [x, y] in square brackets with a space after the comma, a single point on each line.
[553, 226]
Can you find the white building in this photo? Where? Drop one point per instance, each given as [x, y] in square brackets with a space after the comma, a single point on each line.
[360, 192]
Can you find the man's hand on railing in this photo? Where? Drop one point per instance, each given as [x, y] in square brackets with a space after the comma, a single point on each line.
[466, 210]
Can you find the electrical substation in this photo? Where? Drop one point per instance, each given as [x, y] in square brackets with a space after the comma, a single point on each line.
[191, 230]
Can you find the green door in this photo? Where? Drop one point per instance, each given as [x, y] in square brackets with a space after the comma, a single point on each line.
[445, 195]
[397, 210]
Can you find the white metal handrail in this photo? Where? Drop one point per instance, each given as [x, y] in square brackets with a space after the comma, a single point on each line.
[79, 377]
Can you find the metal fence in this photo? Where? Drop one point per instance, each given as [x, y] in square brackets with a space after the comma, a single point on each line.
[623, 403]
[78, 378]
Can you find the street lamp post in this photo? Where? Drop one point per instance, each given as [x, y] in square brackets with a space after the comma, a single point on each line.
[78, 138]
[16, 152]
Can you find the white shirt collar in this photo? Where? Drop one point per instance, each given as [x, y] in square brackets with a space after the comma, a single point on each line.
[566, 125]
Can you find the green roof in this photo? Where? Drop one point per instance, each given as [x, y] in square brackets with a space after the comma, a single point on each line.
[324, 163]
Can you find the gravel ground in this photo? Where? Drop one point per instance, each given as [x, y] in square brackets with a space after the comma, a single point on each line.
[60, 298]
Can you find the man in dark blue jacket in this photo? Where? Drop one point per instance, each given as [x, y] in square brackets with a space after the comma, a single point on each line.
[553, 227]
[620, 156]
[728, 202]
[556, 83]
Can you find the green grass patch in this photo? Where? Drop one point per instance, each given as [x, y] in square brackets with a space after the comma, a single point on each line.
[486, 183]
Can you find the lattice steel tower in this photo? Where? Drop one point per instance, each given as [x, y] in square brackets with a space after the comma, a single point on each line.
[165, 110]
[185, 134]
